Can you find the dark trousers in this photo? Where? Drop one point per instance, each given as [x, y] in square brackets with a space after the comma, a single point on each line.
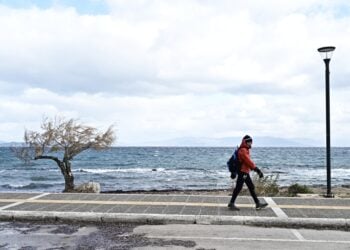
[241, 179]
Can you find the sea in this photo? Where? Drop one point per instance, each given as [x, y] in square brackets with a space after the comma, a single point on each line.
[172, 168]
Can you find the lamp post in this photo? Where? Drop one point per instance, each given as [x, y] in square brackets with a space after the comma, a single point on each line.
[326, 54]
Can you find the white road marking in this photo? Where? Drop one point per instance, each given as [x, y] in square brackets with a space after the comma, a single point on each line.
[298, 235]
[24, 201]
[38, 196]
[11, 205]
[244, 239]
[278, 211]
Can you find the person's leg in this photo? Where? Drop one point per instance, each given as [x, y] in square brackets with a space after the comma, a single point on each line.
[251, 188]
[238, 188]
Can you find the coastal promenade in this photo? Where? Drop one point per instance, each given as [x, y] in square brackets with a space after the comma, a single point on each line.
[315, 212]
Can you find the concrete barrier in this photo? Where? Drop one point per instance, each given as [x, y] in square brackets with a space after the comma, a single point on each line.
[312, 223]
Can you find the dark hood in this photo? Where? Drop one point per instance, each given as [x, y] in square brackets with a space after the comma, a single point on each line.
[244, 144]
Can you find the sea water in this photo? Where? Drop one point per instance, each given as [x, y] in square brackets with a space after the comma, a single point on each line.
[165, 168]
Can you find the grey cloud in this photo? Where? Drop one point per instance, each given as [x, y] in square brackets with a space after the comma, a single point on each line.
[154, 55]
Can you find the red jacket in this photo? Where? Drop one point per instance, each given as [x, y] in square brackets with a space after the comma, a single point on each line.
[244, 157]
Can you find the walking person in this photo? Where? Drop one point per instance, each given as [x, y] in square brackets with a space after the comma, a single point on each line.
[243, 175]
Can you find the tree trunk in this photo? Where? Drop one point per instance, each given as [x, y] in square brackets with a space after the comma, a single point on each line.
[65, 168]
[68, 176]
[69, 183]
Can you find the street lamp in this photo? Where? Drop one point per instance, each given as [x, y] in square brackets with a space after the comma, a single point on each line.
[326, 54]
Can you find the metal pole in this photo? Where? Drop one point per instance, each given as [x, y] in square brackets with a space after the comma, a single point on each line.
[328, 131]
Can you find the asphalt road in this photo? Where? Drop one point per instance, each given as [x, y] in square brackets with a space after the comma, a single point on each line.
[245, 237]
[34, 235]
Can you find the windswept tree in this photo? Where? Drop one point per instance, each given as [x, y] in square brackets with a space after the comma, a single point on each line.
[61, 140]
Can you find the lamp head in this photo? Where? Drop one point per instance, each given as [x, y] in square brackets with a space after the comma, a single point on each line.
[326, 52]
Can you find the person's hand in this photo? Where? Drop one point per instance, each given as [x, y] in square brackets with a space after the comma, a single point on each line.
[233, 175]
[258, 171]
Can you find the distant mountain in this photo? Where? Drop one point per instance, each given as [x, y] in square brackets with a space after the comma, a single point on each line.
[10, 144]
[263, 141]
[283, 142]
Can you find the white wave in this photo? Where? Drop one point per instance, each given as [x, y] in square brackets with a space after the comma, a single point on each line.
[120, 170]
[16, 185]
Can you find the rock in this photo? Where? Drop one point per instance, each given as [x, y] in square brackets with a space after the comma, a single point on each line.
[90, 187]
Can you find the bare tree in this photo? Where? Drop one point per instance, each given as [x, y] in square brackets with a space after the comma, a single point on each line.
[61, 140]
[23, 152]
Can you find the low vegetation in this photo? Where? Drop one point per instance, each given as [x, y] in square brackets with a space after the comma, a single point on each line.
[266, 186]
[296, 188]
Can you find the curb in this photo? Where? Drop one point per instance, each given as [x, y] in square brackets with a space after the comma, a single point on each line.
[310, 223]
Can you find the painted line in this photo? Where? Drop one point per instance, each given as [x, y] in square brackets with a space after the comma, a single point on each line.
[298, 235]
[142, 203]
[11, 205]
[315, 207]
[244, 239]
[38, 196]
[19, 202]
[278, 211]
[184, 194]
[154, 203]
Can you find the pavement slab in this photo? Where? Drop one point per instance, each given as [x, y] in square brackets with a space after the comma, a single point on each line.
[191, 210]
[312, 201]
[312, 213]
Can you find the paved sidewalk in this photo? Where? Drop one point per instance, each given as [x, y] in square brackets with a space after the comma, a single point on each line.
[319, 213]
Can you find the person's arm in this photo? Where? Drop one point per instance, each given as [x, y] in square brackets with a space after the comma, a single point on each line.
[245, 158]
[258, 171]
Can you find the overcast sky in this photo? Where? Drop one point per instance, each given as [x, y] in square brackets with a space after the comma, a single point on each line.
[162, 69]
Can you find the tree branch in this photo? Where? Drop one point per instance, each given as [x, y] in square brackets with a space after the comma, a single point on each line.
[49, 158]
[81, 149]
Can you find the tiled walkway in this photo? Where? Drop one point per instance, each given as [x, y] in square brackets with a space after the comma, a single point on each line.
[174, 205]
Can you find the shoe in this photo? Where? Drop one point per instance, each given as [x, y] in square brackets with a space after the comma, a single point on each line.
[261, 205]
[233, 207]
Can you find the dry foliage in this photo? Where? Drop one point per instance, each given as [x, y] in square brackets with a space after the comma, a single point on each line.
[23, 152]
[68, 136]
[266, 186]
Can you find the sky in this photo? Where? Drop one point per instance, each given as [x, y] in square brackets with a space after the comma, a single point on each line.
[164, 69]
